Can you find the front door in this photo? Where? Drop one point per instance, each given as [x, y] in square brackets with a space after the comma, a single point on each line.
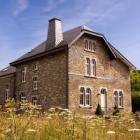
[104, 100]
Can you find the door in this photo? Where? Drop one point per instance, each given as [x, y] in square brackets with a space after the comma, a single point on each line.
[104, 100]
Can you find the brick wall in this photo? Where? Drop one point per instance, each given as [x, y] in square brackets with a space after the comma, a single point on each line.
[110, 74]
[52, 76]
[6, 81]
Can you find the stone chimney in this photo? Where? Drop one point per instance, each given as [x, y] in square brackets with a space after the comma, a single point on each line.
[55, 34]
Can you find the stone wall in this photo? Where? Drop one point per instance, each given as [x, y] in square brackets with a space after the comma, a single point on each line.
[110, 74]
[52, 76]
[7, 80]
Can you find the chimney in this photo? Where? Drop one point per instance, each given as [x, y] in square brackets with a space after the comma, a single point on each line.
[55, 35]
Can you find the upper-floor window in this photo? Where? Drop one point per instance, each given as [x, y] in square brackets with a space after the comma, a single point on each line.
[7, 92]
[85, 97]
[23, 76]
[35, 83]
[35, 66]
[118, 98]
[90, 45]
[90, 67]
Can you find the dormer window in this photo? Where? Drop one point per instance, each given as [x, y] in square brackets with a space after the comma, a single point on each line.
[90, 45]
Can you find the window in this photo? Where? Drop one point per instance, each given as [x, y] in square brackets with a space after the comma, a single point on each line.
[6, 93]
[35, 83]
[90, 67]
[34, 100]
[23, 78]
[35, 67]
[22, 98]
[85, 97]
[118, 98]
[90, 45]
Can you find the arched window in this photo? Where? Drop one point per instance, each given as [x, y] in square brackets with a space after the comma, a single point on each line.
[35, 83]
[88, 97]
[88, 66]
[85, 97]
[118, 98]
[93, 67]
[93, 46]
[90, 45]
[82, 96]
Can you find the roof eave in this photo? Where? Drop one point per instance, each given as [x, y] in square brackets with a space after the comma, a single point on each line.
[57, 49]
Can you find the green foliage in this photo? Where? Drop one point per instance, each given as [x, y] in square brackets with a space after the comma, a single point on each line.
[135, 80]
[99, 111]
[135, 86]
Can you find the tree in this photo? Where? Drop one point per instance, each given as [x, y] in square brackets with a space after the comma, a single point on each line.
[99, 111]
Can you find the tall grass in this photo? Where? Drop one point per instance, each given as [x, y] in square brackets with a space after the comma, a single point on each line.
[61, 124]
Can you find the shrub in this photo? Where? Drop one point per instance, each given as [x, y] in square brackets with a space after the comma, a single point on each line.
[116, 110]
[99, 111]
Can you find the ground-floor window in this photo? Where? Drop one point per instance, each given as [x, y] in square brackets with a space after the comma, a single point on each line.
[22, 98]
[7, 93]
[85, 97]
[118, 98]
[34, 100]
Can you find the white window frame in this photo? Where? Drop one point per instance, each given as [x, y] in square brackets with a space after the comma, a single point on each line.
[23, 74]
[92, 71]
[35, 83]
[85, 105]
[118, 98]
[7, 91]
[87, 46]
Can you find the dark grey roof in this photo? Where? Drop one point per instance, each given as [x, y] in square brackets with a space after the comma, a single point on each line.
[8, 70]
[68, 36]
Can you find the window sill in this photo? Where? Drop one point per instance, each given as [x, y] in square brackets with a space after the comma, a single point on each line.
[89, 51]
[23, 81]
[82, 106]
[88, 76]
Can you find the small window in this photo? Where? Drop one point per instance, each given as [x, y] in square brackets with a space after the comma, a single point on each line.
[93, 67]
[34, 100]
[7, 93]
[22, 98]
[85, 97]
[35, 67]
[88, 66]
[23, 76]
[35, 83]
[118, 98]
[90, 45]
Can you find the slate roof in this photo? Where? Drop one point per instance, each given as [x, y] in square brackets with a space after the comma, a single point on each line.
[8, 70]
[68, 37]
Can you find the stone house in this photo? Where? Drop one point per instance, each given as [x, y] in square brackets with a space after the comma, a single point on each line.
[76, 69]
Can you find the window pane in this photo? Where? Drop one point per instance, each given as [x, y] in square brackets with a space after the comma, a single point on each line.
[94, 67]
[90, 45]
[88, 66]
[82, 96]
[86, 44]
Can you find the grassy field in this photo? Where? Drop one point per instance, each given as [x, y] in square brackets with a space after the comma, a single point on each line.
[61, 124]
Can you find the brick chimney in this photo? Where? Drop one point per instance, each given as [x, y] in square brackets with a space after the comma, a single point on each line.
[55, 34]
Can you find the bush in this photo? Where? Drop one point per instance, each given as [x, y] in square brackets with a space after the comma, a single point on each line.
[99, 111]
[116, 110]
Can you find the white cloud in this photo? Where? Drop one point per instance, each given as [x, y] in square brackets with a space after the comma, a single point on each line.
[21, 5]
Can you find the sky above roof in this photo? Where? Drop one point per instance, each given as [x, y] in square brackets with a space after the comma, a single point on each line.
[24, 23]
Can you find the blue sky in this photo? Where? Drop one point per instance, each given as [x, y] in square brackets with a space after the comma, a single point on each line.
[24, 23]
